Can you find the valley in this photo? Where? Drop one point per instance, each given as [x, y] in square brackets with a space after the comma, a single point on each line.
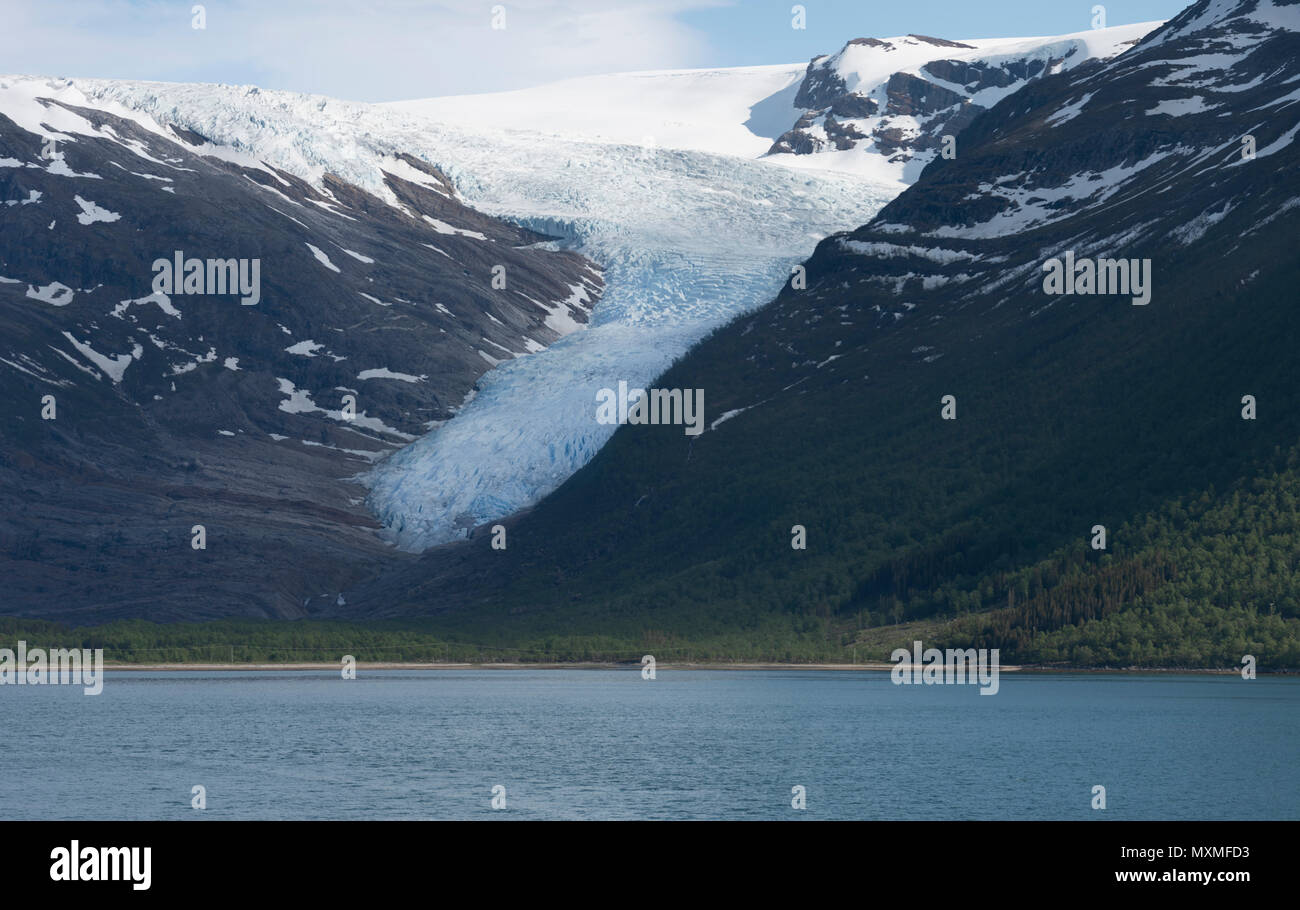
[798, 251]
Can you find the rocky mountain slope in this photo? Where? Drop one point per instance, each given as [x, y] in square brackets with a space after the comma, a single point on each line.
[140, 407]
[883, 106]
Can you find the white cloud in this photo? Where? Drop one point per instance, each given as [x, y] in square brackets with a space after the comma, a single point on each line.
[373, 50]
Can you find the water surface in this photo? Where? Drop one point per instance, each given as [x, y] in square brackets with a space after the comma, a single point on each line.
[597, 744]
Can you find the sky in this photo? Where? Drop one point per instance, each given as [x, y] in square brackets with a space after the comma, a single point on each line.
[384, 50]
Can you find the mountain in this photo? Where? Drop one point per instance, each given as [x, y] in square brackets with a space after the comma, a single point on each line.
[643, 173]
[698, 247]
[203, 401]
[522, 425]
[826, 407]
[882, 106]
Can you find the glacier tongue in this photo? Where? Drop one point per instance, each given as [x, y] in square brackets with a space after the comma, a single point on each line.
[687, 239]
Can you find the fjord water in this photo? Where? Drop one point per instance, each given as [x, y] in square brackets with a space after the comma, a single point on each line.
[410, 744]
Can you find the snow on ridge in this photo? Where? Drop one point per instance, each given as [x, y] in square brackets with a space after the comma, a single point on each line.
[1196, 228]
[304, 135]
[404, 171]
[867, 65]
[33, 197]
[29, 102]
[1266, 13]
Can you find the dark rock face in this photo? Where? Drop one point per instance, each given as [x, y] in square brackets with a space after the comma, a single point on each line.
[940, 42]
[796, 142]
[911, 96]
[940, 100]
[977, 75]
[371, 322]
[820, 87]
[852, 105]
[843, 135]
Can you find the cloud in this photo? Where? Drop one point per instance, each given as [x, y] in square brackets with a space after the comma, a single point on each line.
[366, 50]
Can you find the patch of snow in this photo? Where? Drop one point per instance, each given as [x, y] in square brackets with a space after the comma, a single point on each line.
[727, 415]
[1070, 111]
[162, 300]
[115, 366]
[55, 294]
[443, 227]
[299, 401]
[1177, 107]
[385, 373]
[322, 258]
[357, 256]
[33, 197]
[92, 213]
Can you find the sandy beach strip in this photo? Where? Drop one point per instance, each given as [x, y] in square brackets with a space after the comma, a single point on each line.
[576, 665]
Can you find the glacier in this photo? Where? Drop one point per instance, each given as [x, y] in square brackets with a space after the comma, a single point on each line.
[656, 177]
[687, 240]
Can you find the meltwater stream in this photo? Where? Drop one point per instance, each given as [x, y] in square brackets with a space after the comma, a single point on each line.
[606, 744]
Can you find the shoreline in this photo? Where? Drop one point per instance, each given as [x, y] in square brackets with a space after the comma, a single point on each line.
[632, 665]
[510, 665]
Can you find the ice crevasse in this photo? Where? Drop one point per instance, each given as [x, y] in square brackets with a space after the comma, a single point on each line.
[686, 239]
